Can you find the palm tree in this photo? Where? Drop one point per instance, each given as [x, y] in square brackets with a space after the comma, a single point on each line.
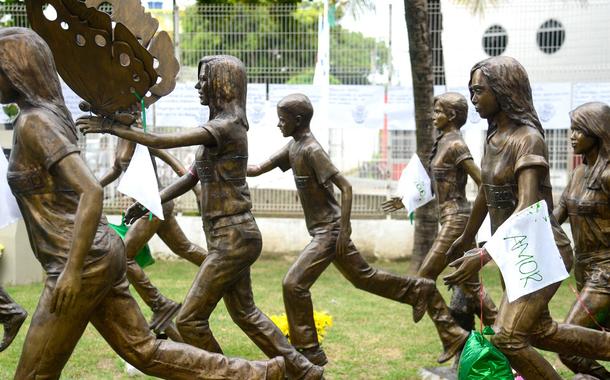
[420, 52]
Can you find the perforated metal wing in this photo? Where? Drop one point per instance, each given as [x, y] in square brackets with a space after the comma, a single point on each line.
[104, 65]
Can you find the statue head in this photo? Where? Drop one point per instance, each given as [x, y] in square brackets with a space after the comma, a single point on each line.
[222, 82]
[28, 65]
[295, 112]
[510, 84]
[593, 120]
[454, 106]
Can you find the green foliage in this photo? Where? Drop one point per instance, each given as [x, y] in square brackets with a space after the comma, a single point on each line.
[254, 34]
[11, 110]
[12, 13]
[276, 46]
[306, 77]
[353, 57]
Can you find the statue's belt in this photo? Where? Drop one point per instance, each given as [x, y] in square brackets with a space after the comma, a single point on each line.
[500, 196]
[33, 182]
[578, 207]
[208, 170]
[225, 221]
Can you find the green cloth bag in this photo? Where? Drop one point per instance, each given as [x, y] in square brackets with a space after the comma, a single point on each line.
[482, 360]
[144, 257]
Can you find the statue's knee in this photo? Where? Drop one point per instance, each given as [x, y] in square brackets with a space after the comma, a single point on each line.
[507, 343]
[187, 324]
[141, 354]
[290, 285]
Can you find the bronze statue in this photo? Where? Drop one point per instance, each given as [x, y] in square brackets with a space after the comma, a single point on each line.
[329, 225]
[233, 239]
[450, 165]
[515, 175]
[61, 203]
[585, 201]
[12, 315]
[143, 229]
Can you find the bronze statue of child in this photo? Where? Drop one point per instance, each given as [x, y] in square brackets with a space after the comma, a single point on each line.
[450, 165]
[233, 238]
[586, 203]
[515, 175]
[142, 230]
[329, 225]
[61, 203]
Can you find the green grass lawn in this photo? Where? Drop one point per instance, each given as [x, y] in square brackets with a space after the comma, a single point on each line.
[372, 338]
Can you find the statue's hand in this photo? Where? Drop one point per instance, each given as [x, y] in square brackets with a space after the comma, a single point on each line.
[343, 240]
[457, 249]
[467, 266]
[135, 212]
[392, 205]
[66, 291]
[94, 124]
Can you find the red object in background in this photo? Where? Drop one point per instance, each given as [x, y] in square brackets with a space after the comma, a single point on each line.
[397, 169]
[576, 160]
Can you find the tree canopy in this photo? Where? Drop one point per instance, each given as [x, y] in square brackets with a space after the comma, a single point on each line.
[277, 42]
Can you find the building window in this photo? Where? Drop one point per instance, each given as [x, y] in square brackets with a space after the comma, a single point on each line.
[105, 7]
[550, 36]
[402, 144]
[495, 40]
[558, 141]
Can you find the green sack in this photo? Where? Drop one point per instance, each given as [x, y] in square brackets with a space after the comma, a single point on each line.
[481, 360]
[144, 257]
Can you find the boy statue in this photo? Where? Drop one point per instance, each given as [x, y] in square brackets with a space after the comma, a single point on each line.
[329, 225]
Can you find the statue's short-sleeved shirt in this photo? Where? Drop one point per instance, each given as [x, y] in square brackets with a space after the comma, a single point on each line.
[589, 212]
[312, 170]
[48, 205]
[449, 178]
[523, 148]
[222, 171]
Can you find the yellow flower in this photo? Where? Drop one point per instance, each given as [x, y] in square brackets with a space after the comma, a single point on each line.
[322, 321]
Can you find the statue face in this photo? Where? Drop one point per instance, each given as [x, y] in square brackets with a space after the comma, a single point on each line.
[581, 142]
[440, 119]
[483, 98]
[287, 123]
[7, 92]
[203, 86]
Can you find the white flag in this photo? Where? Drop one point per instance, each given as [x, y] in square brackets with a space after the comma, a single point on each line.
[9, 211]
[414, 185]
[140, 181]
[484, 233]
[524, 249]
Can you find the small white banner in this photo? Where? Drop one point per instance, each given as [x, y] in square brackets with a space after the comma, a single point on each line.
[524, 249]
[140, 181]
[9, 211]
[414, 185]
[484, 233]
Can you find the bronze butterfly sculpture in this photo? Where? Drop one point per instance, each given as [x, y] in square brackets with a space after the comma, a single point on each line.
[110, 61]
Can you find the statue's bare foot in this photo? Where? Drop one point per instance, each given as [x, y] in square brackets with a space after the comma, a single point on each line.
[11, 327]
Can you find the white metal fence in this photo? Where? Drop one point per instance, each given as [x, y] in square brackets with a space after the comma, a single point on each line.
[278, 44]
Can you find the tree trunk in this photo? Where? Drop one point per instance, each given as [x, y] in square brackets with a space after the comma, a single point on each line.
[426, 217]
